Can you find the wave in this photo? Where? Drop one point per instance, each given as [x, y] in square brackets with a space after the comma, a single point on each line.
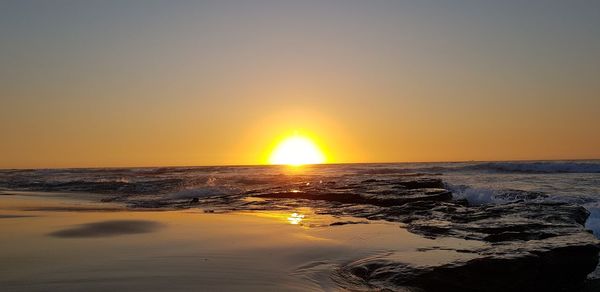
[117, 186]
[537, 167]
[480, 196]
[493, 167]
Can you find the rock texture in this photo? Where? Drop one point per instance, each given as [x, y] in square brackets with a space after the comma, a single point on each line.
[545, 266]
[527, 245]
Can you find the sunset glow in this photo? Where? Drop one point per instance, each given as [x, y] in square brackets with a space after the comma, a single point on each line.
[222, 83]
[300, 145]
[297, 150]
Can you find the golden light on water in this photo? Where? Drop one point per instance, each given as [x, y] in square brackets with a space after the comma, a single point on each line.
[298, 217]
[295, 218]
[295, 151]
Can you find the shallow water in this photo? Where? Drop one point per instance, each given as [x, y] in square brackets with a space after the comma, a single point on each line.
[58, 242]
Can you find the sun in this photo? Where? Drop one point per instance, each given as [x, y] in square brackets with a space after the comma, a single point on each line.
[295, 151]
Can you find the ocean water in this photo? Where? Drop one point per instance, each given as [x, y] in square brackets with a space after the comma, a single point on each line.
[576, 182]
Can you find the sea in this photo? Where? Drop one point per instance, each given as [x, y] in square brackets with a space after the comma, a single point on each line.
[573, 181]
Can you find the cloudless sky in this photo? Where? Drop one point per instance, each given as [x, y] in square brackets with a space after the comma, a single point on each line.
[143, 83]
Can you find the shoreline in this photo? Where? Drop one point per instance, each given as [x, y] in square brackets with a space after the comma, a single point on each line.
[63, 249]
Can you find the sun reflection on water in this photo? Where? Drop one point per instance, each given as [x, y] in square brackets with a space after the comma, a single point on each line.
[295, 218]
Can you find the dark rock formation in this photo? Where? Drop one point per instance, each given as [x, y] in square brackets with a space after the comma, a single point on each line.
[553, 265]
[544, 267]
[373, 192]
[381, 198]
[492, 223]
[528, 246]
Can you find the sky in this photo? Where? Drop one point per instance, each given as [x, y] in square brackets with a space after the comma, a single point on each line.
[155, 83]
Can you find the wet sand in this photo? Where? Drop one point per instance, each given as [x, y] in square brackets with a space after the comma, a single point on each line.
[67, 242]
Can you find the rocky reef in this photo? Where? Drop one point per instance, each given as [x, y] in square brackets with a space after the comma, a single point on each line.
[549, 265]
[524, 244]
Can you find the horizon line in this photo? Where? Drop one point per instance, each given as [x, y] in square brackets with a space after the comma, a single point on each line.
[318, 164]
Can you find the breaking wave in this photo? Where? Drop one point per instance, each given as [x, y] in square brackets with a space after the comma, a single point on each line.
[481, 196]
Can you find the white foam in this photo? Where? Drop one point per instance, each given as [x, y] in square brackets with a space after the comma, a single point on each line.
[474, 196]
[481, 196]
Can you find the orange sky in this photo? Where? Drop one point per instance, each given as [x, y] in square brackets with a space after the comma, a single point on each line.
[149, 84]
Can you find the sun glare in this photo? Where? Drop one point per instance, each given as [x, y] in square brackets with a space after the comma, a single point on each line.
[297, 150]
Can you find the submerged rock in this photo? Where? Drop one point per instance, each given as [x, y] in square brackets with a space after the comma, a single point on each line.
[340, 223]
[108, 228]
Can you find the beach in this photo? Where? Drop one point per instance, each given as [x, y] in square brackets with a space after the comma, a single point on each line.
[54, 242]
[357, 227]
